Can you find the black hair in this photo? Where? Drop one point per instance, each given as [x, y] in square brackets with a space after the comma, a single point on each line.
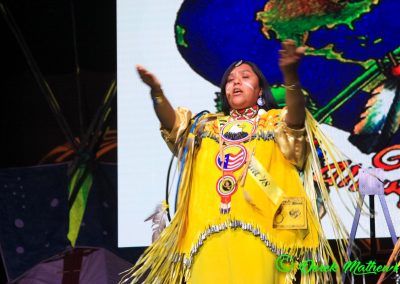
[270, 102]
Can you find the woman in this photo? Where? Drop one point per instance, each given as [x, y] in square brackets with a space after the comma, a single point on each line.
[242, 204]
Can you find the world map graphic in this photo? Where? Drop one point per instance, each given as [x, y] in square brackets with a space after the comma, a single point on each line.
[351, 73]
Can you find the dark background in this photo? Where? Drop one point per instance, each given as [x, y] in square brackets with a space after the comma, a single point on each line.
[58, 34]
[28, 126]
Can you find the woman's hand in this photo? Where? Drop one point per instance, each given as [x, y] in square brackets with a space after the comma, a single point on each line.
[290, 57]
[148, 78]
[162, 107]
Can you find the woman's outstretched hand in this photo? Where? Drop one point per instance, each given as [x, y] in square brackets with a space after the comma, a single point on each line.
[290, 57]
[162, 107]
[148, 78]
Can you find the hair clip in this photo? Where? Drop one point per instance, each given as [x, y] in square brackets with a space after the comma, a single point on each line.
[239, 63]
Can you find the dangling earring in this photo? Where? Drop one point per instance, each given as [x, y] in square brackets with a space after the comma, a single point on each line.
[260, 101]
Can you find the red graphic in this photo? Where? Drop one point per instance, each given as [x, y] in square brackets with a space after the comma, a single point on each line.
[387, 159]
[331, 175]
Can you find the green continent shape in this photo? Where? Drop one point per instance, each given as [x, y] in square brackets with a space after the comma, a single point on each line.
[298, 27]
[180, 36]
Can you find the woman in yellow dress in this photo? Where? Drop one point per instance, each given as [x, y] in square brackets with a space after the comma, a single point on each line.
[247, 205]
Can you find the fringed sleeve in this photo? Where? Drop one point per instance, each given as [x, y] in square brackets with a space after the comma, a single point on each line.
[163, 260]
[292, 142]
[182, 120]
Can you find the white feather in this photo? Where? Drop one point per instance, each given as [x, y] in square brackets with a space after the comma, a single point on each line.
[159, 222]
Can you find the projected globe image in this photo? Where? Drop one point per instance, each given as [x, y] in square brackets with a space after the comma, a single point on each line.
[340, 74]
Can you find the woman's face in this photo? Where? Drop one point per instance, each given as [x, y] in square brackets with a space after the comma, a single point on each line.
[242, 87]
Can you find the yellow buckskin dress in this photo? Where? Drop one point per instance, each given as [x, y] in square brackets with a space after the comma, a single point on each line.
[242, 205]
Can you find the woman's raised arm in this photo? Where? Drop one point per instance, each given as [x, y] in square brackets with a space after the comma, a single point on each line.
[162, 107]
[290, 57]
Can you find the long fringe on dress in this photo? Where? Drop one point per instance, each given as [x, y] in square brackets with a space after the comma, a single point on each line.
[164, 262]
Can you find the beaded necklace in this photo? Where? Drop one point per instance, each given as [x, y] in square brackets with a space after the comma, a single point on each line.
[233, 154]
[247, 113]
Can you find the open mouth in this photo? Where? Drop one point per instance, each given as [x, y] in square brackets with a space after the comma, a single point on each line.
[237, 91]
